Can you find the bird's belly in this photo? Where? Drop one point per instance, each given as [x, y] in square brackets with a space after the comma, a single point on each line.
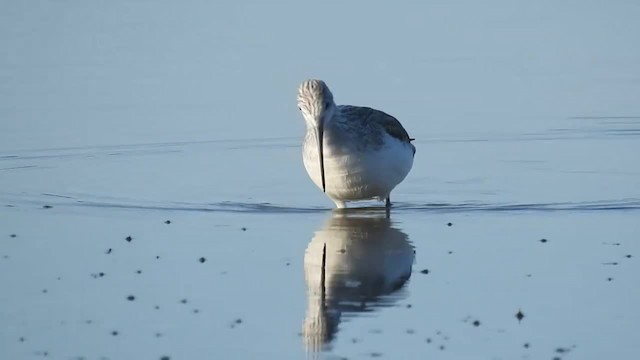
[358, 175]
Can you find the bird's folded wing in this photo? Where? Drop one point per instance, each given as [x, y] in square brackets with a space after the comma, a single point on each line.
[377, 118]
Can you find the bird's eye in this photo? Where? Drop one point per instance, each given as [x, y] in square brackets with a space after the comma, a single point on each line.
[299, 108]
[326, 105]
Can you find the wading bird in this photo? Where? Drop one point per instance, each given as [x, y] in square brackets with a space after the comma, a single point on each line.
[352, 152]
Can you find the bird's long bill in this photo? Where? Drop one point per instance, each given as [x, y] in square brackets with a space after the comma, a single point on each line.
[320, 138]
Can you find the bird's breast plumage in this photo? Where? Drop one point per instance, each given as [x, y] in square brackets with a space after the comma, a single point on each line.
[361, 160]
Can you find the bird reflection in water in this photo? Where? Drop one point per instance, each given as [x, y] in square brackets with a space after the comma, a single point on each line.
[357, 262]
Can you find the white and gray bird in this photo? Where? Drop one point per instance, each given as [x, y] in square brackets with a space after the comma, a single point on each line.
[351, 152]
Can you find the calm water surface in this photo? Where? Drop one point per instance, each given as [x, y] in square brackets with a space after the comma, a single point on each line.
[154, 205]
[245, 278]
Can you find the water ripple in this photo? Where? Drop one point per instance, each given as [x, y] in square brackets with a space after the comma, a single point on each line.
[65, 200]
[604, 205]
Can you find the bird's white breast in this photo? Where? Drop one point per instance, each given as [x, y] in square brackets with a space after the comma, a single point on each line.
[353, 173]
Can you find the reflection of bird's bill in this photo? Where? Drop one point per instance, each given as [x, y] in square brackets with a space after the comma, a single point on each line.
[355, 263]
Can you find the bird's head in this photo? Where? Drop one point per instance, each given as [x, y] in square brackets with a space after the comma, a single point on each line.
[315, 102]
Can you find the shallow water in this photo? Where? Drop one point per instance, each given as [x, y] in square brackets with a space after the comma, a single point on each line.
[293, 279]
[153, 201]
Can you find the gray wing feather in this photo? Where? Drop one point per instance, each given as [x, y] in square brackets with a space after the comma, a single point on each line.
[377, 118]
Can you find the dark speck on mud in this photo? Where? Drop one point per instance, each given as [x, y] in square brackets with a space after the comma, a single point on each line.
[449, 224]
[47, 206]
[519, 315]
[167, 222]
[476, 323]
[202, 259]
[13, 235]
[131, 297]
[244, 228]
[128, 238]
[109, 251]
[543, 240]
[425, 271]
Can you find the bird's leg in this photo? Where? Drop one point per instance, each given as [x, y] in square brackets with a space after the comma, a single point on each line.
[340, 204]
[387, 203]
